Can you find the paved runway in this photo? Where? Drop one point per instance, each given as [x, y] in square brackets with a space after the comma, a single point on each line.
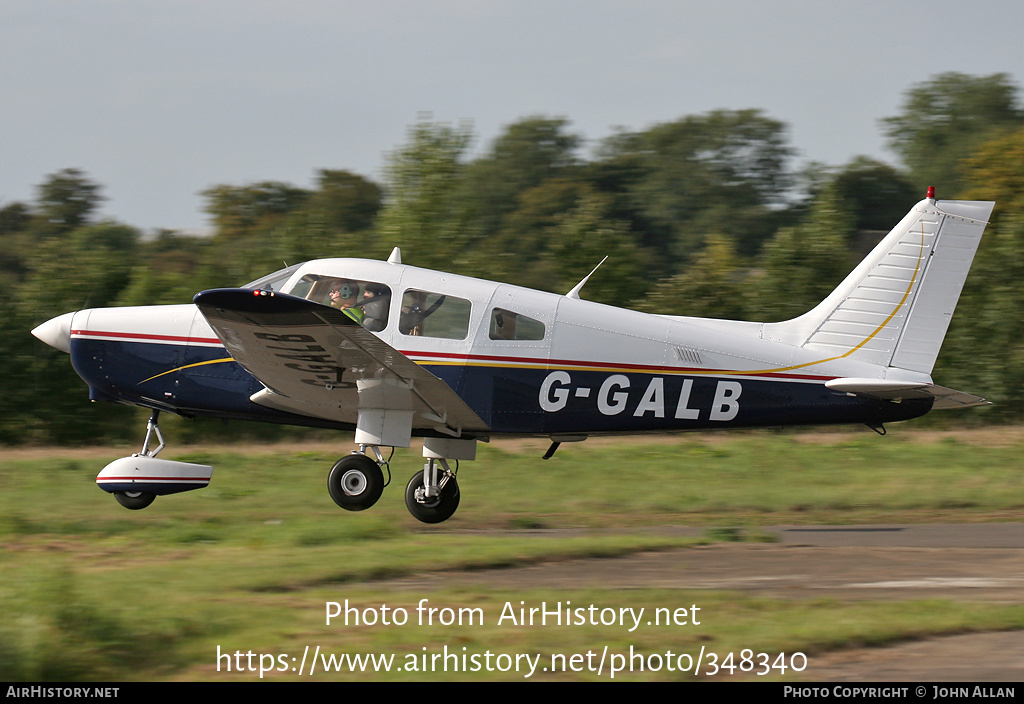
[970, 562]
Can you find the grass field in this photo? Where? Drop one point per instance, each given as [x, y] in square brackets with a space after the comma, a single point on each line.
[91, 591]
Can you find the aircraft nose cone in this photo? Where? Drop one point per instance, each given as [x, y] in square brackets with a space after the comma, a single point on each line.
[56, 332]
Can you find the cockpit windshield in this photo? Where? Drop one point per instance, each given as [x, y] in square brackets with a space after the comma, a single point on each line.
[274, 282]
[366, 302]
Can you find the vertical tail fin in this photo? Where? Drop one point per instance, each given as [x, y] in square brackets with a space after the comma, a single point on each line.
[893, 310]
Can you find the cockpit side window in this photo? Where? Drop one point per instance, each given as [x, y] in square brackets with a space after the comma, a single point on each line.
[366, 302]
[428, 314]
[507, 325]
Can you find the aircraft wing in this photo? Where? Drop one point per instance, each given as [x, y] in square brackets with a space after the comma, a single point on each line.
[316, 361]
[897, 390]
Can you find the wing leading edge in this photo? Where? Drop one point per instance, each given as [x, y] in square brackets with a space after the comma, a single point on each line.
[316, 361]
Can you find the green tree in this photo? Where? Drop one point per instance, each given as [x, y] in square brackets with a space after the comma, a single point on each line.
[336, 220]
[712, 285]
[984, 348]
[944, 119]
[241, 211]
[995, 171]
[717, 172]
[66, 200]
[877, 195]
[344, 201]
[14, 218]
[579, 240]
[526, 154]
[86, 268]
[18, 402]
[803, 263]
[16, 241]
[421, 212]
[166, 271]
[515, 252]
[983, 352]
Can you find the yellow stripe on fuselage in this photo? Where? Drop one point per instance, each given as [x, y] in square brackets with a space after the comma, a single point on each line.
[188, 366]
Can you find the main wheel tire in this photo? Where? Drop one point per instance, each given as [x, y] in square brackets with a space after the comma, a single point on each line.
[355, 482]
[437, 509]
[134, 500]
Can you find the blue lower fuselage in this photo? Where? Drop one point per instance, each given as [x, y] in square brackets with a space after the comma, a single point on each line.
[542, 398]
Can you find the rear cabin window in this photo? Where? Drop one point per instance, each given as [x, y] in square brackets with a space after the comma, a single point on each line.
[366, 302]
[429, 314]
[506, 325]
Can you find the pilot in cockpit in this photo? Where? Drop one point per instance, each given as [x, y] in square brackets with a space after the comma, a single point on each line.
[343, 295]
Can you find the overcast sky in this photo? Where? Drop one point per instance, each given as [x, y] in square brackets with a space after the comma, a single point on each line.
[159, 99]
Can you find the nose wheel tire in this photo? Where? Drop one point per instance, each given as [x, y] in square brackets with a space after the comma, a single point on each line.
[355, 482]
[433, 510]
[134, 500]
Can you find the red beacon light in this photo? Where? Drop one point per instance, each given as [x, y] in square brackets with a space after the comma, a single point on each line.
[931, 193]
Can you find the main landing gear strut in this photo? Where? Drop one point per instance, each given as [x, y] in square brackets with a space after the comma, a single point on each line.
[432, 495]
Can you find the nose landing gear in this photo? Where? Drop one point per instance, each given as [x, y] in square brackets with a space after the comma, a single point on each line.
[138, 500]
[137, 480]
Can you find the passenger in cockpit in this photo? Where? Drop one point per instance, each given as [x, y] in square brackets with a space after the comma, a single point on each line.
[376, 300]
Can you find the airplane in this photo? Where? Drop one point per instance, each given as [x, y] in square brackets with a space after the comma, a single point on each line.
[394, 351]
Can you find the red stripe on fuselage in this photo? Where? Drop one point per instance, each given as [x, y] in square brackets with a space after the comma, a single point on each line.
[137, 336]
[425, 357]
